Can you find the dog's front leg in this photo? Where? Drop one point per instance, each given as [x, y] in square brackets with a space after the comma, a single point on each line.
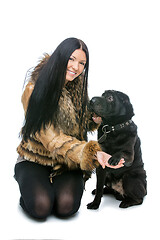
[101, 176]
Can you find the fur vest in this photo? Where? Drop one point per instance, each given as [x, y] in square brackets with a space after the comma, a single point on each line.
[65, 143]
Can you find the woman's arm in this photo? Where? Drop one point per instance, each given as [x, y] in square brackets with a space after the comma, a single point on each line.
[69, 150]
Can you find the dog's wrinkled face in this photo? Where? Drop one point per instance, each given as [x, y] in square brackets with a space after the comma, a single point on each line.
[112, 105]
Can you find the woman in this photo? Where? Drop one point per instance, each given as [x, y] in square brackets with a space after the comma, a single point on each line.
[54, 155]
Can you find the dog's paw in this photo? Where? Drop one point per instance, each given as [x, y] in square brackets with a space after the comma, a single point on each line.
[113, 161]
[93, 205]
[130, 203]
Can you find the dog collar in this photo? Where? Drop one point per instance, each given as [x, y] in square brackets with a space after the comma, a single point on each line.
[107, 129]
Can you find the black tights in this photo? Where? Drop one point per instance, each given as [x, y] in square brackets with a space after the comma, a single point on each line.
[40, 198]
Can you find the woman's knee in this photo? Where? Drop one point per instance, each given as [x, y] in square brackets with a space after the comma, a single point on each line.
[66, 206]
[42, 206]
[39, 207]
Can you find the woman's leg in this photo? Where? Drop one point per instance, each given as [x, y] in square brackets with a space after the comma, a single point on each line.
[37, 193]
[39, 197]
[69, 188]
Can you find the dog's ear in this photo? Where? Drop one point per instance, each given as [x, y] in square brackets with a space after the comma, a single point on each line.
[126, 101]
[124, 97]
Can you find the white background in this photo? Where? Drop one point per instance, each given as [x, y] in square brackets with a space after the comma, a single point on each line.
[123, 38]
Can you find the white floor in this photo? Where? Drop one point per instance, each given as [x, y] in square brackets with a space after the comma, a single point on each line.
[123, 40]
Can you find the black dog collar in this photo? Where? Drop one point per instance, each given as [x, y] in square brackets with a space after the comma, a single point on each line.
[107, 129]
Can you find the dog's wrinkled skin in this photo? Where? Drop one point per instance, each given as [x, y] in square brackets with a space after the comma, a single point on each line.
[127, 183]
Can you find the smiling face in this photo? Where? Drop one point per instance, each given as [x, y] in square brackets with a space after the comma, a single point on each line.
[75, 64]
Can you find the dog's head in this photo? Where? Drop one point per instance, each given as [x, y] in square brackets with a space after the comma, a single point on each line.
[113, 107]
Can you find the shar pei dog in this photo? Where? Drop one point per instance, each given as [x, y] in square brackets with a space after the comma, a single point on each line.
[118, 137]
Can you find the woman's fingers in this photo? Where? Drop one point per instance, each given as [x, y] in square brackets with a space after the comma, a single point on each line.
[103, 158]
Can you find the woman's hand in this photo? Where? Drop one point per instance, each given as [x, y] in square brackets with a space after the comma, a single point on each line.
[103, 158]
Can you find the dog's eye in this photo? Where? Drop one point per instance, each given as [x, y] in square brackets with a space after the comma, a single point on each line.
[110, 98]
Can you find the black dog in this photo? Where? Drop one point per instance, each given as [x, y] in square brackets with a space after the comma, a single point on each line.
[118, 137]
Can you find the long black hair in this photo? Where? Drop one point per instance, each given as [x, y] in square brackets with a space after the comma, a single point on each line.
[44, 99]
